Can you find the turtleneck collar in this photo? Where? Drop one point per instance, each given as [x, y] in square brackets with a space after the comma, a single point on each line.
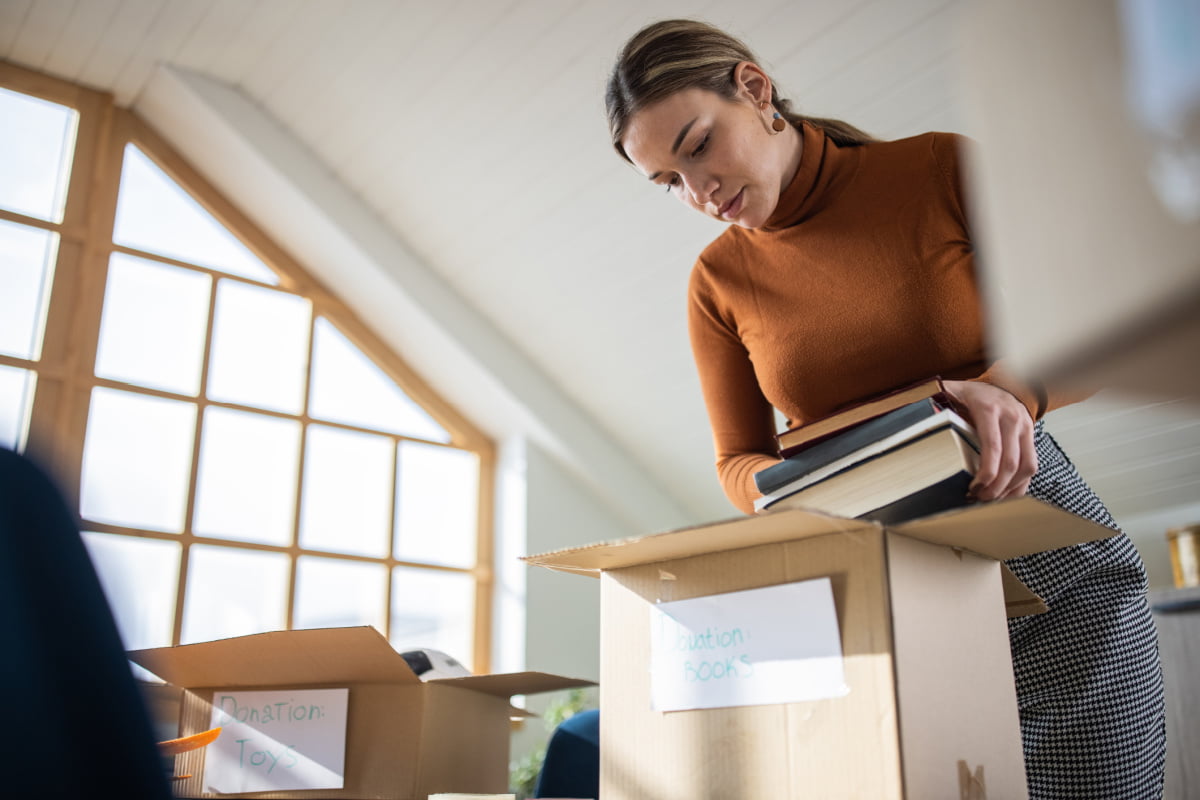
[820, 162]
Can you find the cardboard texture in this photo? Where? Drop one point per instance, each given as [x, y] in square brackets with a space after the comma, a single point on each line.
[405, 739]
[921, 609]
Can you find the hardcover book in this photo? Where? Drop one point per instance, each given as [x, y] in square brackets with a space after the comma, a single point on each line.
[793, 440]
[922, 477]
[860, 442]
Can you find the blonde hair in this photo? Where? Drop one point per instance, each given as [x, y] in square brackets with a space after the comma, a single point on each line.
[676, 54]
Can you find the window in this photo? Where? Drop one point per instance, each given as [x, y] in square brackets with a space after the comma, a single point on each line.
[246, 456]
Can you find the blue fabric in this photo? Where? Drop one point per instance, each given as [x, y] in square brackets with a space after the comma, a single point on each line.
[75, 723]
[572, 765]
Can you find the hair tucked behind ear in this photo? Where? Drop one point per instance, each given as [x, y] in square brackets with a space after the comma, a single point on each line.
[676, 54]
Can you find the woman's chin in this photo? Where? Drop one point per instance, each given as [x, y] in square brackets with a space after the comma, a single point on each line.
[748, 220]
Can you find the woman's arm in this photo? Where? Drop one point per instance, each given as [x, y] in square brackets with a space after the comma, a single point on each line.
[743, 422]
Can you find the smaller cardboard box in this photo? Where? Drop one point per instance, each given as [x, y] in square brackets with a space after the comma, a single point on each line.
[926, 706]
[404, 739]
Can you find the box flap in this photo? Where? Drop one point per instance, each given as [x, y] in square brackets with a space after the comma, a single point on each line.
[507, 684]
[1019, 599]
[323, 655]
[768, 528]
[464, 744]
[1006, 528]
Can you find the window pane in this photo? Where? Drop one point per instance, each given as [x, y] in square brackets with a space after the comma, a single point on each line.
[137, 459]
[246, 487]
[139, 578]
[233, 593]
[433, 609]
[437, 492]
[334, 594]
[260, 347]
[347, 498]
[154, 324]
[16, 398]
[27, 258]
[348, 387]
[37, 143]
[155, 214]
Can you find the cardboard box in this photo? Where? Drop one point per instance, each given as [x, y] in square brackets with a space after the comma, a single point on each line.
[931, 709]
[405, 739]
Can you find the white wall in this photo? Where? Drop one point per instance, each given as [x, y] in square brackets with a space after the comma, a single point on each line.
[546, 621]
[562, 612]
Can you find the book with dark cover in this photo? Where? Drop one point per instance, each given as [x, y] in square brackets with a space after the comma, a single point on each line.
[891, 477]
[874, 435]
[793, 440]
[944, 495]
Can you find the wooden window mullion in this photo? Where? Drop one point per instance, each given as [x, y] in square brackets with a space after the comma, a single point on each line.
[66, 366]
[59, 420]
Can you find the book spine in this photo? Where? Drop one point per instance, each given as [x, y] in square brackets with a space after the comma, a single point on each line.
[787, 450]
[867, 409]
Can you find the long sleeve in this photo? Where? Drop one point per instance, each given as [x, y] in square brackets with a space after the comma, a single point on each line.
[1038, 398]
[743, 424]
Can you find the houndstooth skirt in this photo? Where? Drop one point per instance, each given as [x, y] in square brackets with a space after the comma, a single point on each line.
[1089, 683]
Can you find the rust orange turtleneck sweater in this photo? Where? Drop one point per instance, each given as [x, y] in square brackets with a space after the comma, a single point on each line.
[861, 281]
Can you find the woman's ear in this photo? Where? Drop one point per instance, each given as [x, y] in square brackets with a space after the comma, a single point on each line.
[752, 83]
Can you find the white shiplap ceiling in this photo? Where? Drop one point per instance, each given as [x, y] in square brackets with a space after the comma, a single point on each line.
[473, 130]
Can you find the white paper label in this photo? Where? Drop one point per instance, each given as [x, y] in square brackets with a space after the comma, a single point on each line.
[778, 644]
[277, 741]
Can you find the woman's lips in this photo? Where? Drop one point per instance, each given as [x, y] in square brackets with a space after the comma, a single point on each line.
[734, 205]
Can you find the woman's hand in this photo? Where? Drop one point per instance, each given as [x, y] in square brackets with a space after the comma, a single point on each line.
[1007, 458]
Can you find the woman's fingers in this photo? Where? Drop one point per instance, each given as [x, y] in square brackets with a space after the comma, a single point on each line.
[987, 428]
[1027, 464]
[1007, 457]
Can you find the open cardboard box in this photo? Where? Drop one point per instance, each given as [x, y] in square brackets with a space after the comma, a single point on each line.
[931, 710]
[405, 739]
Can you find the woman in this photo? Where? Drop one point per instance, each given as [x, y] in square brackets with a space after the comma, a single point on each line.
[848, 271]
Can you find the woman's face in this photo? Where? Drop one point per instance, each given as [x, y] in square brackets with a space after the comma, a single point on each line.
[715, 155]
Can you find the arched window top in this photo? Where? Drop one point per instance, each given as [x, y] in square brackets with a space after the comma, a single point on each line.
[157, 215]
[247, 454]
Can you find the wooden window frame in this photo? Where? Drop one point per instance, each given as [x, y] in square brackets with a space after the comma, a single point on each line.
[65, 376]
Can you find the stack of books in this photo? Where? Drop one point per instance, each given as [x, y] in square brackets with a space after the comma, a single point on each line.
[905, 455]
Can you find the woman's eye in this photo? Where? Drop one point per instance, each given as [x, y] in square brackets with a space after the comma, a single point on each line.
[671, 184]
[700, 147]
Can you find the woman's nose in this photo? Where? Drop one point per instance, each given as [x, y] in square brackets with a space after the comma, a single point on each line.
[701, 188]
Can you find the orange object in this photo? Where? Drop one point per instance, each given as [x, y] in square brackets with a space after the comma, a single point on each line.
[1184, 546]
[183, 744]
